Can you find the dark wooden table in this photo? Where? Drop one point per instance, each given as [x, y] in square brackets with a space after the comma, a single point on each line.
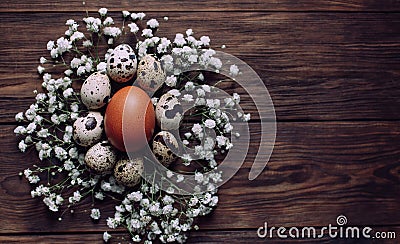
[332, 69]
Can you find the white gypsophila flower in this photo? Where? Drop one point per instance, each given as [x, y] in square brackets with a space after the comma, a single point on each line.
[20, 130]
[75, 198]
[112, 31]
[175, 92]
[68, 72]
[206, 88]
[236, 98]
[92, 24]
[75, 63]
[171, 81]
[153, 23]
[205, 40]
[179, 40]
[106, 236]
[87, 43]
[246, 117]
[40, 69]
[189, 32]
[197, 129]
[81, 70]
[108, 21]
[101, 67]
[233, 70]
[141, 15]
[95, 213]
[22, 146]
[133, 27]
[19, 117]
[63, 45]
[50, 45]
[221, 141]
[77, 36]
[209, 123]
[54, 53]
[216, 62]
[188, 98]
[42, 60]
[200, 92]
[147, 33]
[68, 92]
[154, 100]
[200, 77]
[103, 11]
[99, 195]
[125, 13]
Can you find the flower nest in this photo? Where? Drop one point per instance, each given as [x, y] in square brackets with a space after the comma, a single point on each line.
[79, 161]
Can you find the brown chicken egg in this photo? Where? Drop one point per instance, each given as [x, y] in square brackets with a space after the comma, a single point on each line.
[129, 119]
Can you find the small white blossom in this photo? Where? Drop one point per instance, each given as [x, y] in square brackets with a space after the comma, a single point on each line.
[133, 27]
[103, 11]
[95, 213]
[209, 123]
[147, 33]
[125, 13]
[174, 92]
[205, 40]
[171, 81]
[108, 21]
[42, 60]
[40, 69]
[153, 23]
[101, 67]
[106, 236]
[233, 70]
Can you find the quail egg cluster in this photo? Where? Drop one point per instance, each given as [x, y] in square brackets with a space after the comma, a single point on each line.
[96, 91]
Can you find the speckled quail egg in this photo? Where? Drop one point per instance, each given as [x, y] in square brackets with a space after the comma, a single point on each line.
[88, 129]
[164, 146]
[169, 112]
[101, 158]
[122, 63]
[96, 90]
[151, 74]
[128, 171]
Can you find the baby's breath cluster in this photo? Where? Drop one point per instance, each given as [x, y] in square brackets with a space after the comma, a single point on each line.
[61, 177]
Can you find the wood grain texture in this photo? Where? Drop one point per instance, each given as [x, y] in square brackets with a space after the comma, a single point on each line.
[221, 236]
[332, 69]
[316, 66]
[318, 171]
[194, 6]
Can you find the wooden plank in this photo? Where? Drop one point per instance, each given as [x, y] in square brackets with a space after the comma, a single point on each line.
[194, 6]
[316, 66]
[318, 171]
[201, 236]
